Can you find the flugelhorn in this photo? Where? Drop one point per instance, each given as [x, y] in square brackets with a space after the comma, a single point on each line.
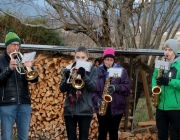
[75, 79]
[20, 68]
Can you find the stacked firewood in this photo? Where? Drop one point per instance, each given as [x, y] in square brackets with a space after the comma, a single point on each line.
[47, 101]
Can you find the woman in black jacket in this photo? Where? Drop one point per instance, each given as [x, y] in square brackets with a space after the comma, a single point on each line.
[78, 107]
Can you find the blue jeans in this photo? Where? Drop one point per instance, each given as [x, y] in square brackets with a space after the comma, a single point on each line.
[83, 123]
[21, 114]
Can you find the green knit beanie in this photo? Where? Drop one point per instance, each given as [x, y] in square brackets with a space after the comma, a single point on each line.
[11, 37]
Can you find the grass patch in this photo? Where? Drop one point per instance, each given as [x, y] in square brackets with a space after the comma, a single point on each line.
[141, 112]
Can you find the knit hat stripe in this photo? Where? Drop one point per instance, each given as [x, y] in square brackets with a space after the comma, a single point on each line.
[12, 40]
[11, 37]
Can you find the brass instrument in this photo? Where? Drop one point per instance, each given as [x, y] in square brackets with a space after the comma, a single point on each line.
[106, 98]
[30, 74]
[72, 75]
[157, 89]
[75, 79]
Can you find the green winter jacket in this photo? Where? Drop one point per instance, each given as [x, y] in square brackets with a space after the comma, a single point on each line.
[170, 95]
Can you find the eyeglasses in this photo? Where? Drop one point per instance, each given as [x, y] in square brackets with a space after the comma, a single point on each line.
[109, 59]
[13, 44]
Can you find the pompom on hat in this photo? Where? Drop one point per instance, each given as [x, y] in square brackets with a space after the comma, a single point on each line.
[173, 44]
[11, 37]
[109, 52]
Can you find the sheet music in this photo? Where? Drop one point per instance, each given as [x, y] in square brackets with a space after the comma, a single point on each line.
[162, 64]
[28, 56]
[85, 64]
[115, 71]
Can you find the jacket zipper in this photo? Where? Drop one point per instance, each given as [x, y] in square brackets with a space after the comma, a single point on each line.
[175, 97]
[164, 97]
[17, 88]
[3, 94]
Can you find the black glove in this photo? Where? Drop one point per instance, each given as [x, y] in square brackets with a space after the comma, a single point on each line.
[112, 88]
[162, 81]
[81, 71]
[67, 74]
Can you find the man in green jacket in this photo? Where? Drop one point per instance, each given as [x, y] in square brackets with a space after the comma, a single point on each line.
[168, 108]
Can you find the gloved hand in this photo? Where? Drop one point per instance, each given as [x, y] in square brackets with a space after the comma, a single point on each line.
[81, 71]
[162, 81]
[99, 103]
[112, 88]
[67, 74]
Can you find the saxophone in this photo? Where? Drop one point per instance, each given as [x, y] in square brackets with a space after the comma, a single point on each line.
[157, 90]
[106, 98]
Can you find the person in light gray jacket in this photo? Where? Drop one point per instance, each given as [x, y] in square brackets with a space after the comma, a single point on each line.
[78, 108]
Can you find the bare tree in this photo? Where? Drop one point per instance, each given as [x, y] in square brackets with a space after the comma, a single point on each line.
[117, 23]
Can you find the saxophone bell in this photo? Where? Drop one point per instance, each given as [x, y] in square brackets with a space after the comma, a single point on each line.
[155, 96]
[108, 98]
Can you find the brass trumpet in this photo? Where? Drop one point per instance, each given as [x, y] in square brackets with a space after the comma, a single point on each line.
[78, 83]
[75, 79]
[21, 69]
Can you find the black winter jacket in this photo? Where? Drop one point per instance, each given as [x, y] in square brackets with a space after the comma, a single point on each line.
[83, 107]
[13, 86]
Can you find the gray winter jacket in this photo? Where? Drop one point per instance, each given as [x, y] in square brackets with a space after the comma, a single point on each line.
[83, 106]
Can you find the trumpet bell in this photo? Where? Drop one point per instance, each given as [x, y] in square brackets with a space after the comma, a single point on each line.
[31, 74]
[78, 83]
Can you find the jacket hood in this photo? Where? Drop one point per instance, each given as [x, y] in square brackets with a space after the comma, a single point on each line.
[176, 59]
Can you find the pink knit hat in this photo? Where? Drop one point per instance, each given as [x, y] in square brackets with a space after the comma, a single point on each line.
[109, 52]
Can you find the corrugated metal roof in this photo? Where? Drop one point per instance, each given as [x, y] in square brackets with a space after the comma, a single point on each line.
[91, 50]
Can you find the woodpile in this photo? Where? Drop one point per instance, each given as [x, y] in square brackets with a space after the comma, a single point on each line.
[146, 136]
[47, 101]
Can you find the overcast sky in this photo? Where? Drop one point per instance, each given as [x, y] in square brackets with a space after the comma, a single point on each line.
[39, 2]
